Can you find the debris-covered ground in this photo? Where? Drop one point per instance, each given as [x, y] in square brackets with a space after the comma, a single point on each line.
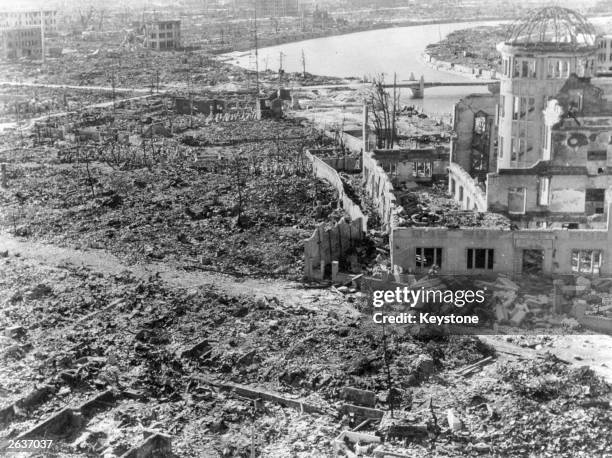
[242, 209]
[156, 357]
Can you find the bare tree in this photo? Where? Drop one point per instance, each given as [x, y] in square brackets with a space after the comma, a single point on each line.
[382, 112]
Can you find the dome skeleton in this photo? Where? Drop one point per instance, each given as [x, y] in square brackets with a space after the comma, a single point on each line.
[552, 26]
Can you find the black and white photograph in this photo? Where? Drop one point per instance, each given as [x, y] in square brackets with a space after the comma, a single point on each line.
[305, 228]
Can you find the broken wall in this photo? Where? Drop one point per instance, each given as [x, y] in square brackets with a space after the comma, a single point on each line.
[327, 245]
[327, 173]
[380, 189]
[465, 189]
[401, 164]
[463, 125]
[567, 194]
[507, 248]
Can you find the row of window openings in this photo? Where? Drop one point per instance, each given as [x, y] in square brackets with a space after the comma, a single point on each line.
[602, 57]
[526, 68]
[583, 261]
[519, 147]
[522, 107]
[477, 258]
[594, 198]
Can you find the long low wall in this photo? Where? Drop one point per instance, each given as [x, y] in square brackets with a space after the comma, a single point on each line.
[510, 249]
[327, 245]
[380, 189]
[329, 174]
[465, 189]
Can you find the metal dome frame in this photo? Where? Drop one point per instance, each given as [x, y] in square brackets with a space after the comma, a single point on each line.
[552, 26]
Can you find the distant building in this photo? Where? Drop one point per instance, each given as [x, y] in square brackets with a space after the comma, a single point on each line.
[604, 55]
[20, 42]
[13, 19]
[163, 34]
[267, 8]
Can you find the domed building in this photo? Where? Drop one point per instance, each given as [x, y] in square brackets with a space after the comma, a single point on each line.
[549, 163]
[538, 56]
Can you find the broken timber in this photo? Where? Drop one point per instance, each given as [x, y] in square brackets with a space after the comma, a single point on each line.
[257, 393]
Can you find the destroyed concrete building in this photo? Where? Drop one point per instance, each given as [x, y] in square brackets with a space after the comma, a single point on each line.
[604, 55]
[163, 34]
[19, 42]
[11, 19]
[540, 151]
[267, 8]
[538, 154]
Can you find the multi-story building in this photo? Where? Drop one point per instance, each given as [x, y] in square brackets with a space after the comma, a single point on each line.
[21, 42]
[604, 55]
[163, 34]
[266, 8]
[553, 146]
[10, 19]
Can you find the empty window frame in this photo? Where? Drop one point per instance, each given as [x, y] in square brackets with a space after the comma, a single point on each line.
[480, 258]
[421, 169]
[428, 257]
[501, 147]
[516, 201]
[594, 200]
[544, 191]
[586, 261]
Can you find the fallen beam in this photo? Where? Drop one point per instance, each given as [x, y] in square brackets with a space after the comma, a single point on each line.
[365, 412]
[257, 393]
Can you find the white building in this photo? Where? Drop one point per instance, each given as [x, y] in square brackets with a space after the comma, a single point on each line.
[604, 55]
[12, 19]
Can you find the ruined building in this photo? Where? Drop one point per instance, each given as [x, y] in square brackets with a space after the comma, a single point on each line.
[20, 42]
[163, 34]
[604, 55]
[538, 152]
[11, 19]
[22, 32]
[541, 150]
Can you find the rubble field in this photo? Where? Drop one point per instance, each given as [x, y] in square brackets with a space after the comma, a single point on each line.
[126, 358]
[242, 203]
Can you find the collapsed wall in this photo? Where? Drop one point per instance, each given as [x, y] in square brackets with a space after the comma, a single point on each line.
[380, 189]
[328, 245]
[465, 189]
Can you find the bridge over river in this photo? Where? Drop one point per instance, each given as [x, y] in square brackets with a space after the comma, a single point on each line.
[416, 86]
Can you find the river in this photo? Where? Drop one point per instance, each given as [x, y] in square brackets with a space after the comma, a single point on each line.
[395, 50]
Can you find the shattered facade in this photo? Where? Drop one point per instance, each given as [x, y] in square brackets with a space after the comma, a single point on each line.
[20, 42]
[549, 164]
[22, 18]
[604, 55]
[163, 34]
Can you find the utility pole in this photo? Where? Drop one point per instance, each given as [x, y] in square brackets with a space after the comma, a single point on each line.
[256, 54]
[42, 33]
[280, 69]
[394, 100]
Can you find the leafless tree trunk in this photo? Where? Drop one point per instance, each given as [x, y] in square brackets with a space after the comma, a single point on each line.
[382, 113]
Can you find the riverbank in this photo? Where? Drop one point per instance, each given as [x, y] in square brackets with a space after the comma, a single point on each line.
[263, 42]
